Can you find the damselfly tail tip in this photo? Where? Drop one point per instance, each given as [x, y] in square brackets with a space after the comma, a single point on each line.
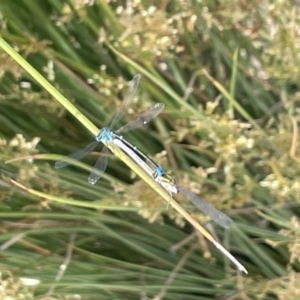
[242, 269]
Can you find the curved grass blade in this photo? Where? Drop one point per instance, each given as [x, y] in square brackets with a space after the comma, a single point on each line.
[206, 208]
[78, 154]
[129, 96]
[143, 118]
[100, 166]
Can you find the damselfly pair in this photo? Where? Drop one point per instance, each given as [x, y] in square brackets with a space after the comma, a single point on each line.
[110, 139]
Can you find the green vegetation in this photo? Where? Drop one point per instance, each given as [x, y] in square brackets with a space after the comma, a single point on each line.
[227, 72]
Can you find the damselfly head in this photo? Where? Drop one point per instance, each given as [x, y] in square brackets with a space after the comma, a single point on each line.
[159, 172]
[104, 135]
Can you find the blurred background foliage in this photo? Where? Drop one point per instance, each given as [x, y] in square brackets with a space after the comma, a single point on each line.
[228, 74]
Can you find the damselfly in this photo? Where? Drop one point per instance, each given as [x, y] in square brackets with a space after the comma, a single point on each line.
[170, 184]
[105, 135]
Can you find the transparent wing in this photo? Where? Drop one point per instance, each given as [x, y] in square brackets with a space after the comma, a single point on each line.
[206, 208]
[78, 154]
[100, 166]
[143, 118]
[129, 96]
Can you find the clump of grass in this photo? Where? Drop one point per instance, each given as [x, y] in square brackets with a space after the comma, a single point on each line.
[227, 74]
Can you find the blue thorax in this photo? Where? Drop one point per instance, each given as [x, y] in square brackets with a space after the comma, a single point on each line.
[104, 135]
